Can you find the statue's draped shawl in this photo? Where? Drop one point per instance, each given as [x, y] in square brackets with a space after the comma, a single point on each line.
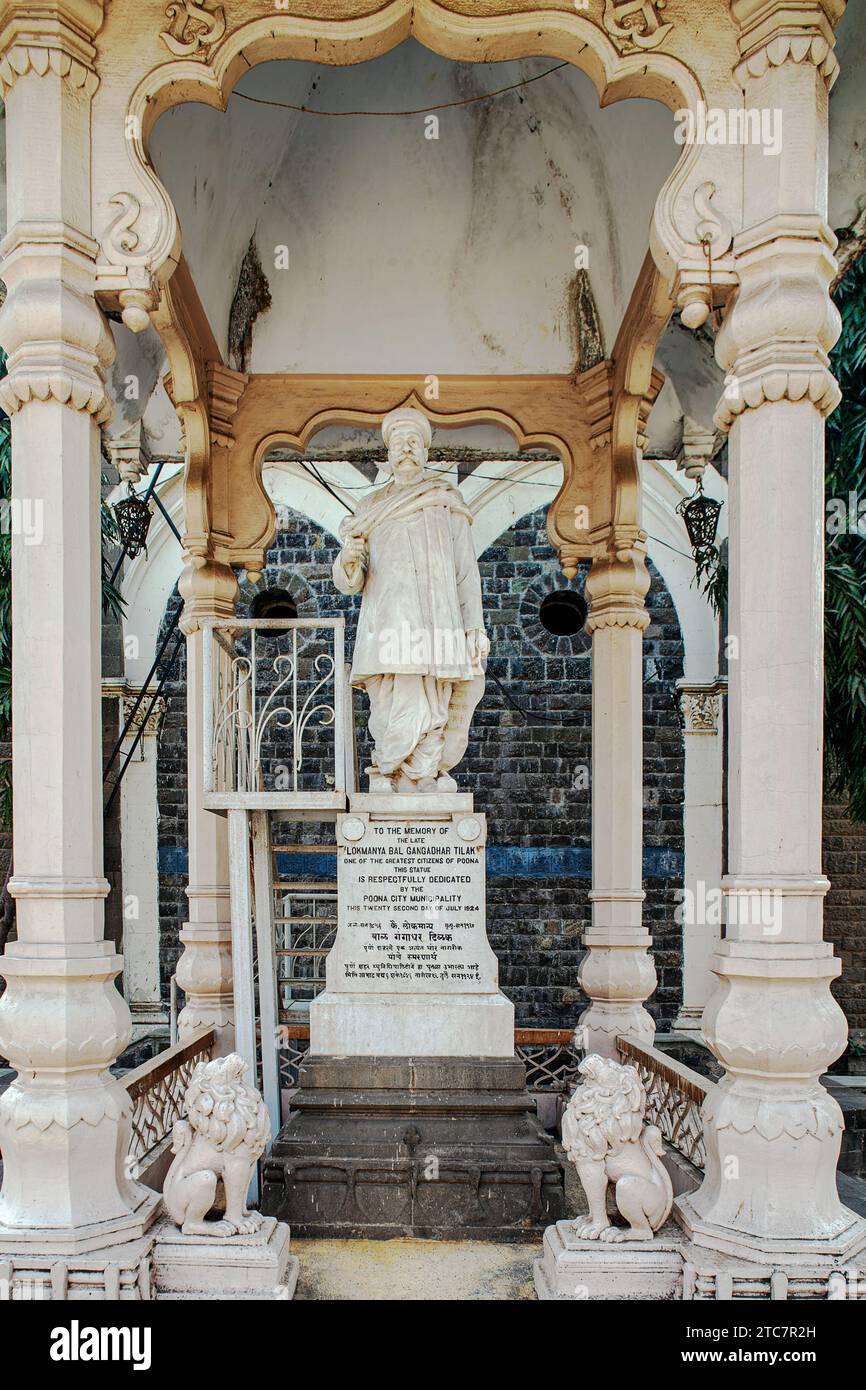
[422, 592]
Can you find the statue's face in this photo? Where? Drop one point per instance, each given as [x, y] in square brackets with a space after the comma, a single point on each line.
[406, 453]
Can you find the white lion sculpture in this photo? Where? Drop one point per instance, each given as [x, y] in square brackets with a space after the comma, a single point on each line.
[604, 1135]
[225, 1132]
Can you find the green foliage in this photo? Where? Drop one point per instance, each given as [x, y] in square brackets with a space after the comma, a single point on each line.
[845, 567]
[711, 576]
[113, 602]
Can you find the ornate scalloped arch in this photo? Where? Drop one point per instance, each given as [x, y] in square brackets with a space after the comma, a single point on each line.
[371, 419]
[155, 246]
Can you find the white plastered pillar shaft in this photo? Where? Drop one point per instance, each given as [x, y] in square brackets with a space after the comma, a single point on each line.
[138, 818]
[703, 713]
[64, 1121]
[204, 971]
[617, 973]
[772, 1131]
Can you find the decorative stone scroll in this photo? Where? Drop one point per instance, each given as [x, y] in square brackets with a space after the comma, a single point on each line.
[193, 29]
[636, 24]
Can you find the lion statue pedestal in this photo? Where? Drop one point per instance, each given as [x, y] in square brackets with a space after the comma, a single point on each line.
[616, 1153]
[237, 1253]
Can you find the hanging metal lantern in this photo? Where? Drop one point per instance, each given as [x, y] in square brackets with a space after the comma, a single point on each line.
[133, 521]
[701, 515]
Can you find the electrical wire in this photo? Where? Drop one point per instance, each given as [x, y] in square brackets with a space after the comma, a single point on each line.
[309, 467]
[530, 714]
[431, 468]
[414, 111]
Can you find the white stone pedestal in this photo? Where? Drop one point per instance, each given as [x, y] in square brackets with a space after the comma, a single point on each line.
[575, 1269]
[411, 973]
[116, 1273]
[253, 1267]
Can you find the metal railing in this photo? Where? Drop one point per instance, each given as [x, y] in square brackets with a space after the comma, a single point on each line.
[675, 1095]
[550, 1058]
[271, 686]
[548, 1054]
[157, 1089]
[137, 717]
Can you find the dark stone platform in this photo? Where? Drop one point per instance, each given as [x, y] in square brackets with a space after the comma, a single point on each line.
[445, 1147]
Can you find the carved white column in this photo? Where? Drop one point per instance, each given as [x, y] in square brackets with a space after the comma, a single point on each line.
[204, 971]
[772, 1131]
[617, 972]
[140, 847]
[64, 1121]
[702, 709]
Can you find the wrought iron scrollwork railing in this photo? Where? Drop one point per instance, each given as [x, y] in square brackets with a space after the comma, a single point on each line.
[157, 1089]
[550, 1058]
[269, 684]
[675, 1095]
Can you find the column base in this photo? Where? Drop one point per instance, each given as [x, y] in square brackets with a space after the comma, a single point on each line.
[675, 1266]
[642, 1270]
[116, 1273]
[62, 1242]
[829, 1253]
[713, 1277]
[257, 1267]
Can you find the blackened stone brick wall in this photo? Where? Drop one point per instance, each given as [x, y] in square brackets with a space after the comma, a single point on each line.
[845, 910]
[172, 802]
[528, 764]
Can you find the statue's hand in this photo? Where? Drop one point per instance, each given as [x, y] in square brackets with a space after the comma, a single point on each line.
[477, 646]
[354, 555]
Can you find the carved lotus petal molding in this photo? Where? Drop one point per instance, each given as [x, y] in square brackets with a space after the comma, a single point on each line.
[802, 48]
[23, 59]
[91, 1107]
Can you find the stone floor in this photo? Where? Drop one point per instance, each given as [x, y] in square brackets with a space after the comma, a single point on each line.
[414, 1270]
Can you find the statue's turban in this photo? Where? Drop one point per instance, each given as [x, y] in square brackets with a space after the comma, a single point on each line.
[405, 415]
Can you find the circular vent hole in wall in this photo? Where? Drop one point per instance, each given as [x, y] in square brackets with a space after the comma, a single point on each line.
[563, 613]
[274, 603]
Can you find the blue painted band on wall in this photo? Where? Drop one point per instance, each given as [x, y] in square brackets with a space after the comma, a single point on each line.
[503, 861]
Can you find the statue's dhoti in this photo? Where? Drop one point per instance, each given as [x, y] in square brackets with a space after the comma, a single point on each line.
[420, 724]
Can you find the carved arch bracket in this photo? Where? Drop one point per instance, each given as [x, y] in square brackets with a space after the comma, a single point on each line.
[287, 411]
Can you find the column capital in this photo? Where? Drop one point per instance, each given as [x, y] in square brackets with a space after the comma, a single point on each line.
[225, 388]
[617, 584]
[700, 705]
[208, 588]
[778, 331]
[773, 32]
[50, 37]
[57, 338]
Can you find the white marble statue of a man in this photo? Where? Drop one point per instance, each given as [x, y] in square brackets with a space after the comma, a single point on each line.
[421, 648]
